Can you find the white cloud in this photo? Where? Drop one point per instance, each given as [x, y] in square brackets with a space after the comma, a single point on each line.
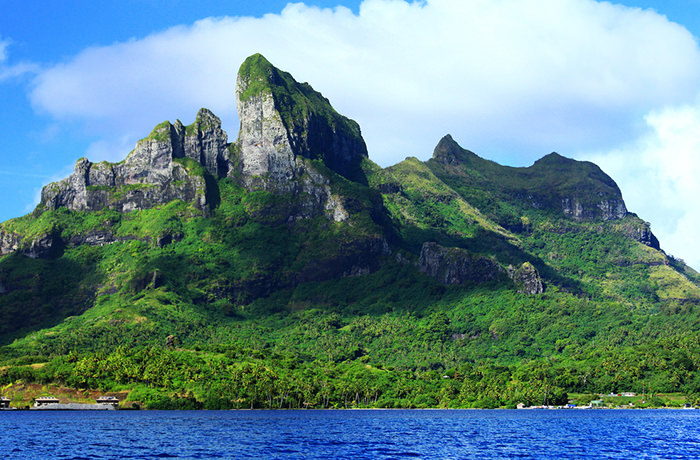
[659, 177]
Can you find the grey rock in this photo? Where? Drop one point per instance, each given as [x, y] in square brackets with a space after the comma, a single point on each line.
[151, 174]
[44, 246]
[263, 141]
[205, 142]
[609, 209]
[9, 243]
[282, 120]
[457, 266]
[526, 278]
[640, 231]
[275, 149]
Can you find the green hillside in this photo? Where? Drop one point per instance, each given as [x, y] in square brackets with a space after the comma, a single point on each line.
[285, 269]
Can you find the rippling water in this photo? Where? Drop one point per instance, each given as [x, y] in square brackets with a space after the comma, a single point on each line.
[371, 434]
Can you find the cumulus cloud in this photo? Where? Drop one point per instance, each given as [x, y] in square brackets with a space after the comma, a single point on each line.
[658, 174]
[509, 79]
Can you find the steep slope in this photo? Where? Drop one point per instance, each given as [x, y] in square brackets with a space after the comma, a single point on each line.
[283, 121]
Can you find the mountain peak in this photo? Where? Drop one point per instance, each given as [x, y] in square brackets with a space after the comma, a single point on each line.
[282, 119]
[449, 152]
[257, 74]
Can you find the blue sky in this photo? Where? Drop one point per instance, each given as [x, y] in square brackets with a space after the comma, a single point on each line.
[617, 83]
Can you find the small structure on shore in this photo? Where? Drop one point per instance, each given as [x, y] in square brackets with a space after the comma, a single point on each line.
[111, 400]
[4, 402]
[44, 400]
[51, 403]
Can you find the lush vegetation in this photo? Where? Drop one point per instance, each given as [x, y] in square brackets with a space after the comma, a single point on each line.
[259, 301]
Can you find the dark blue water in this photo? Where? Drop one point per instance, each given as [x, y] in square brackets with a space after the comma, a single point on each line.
[438, 434]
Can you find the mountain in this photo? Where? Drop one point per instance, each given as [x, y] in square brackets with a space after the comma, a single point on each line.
[286, 269]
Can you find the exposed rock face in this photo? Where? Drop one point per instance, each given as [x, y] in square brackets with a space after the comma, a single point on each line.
[151, 174]
[580, 188]
[457, 266]
[604, 209]
[9, 243]
[205, 142]
[263, 142]
[526, 278]
[640, 231]
[282, 120]
[284, 124]
[45, 246]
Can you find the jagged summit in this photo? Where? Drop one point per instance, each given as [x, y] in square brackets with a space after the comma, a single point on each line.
[156, 172]
[270, 255]
[282, 119]
[449, 152]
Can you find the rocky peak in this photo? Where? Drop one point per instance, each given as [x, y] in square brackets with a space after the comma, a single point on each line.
[155, 172]
[282, 120]
[205, 142]
[448, 151]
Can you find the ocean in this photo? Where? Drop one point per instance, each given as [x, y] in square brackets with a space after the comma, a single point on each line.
[351, 434]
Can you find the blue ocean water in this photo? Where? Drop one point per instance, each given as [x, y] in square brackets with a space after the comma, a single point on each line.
[355, 434]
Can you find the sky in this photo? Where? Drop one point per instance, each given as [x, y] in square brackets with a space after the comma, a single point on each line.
[616, 83]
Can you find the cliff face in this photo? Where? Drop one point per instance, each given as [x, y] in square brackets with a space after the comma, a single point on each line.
[156, 172]
[282, 120]
[283, 126]
[457, 266]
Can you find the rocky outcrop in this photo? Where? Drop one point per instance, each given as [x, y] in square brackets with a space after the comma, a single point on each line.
[205, 142]
[282, 120]
[48, 245]
[526, 279]
[579, 189]
[157, 171]
[284, 126]
[606, 209]
[457, 266]
[9, 243]
[640, 231]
